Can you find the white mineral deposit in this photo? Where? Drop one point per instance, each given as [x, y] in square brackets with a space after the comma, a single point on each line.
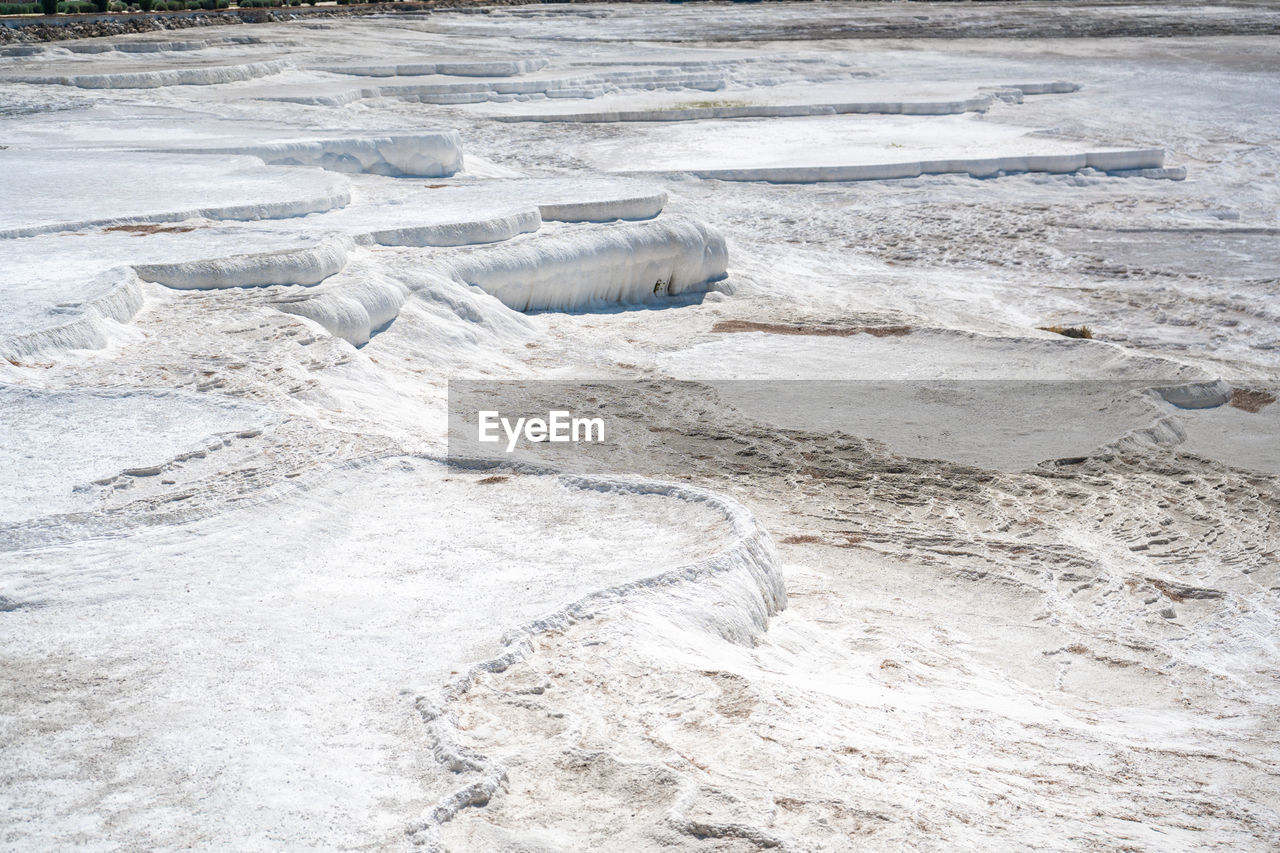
[934, 349]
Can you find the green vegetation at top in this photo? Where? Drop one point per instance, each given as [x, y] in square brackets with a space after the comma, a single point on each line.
[85, 7]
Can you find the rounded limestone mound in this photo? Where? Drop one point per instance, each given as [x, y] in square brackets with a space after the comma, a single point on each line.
[588, 267]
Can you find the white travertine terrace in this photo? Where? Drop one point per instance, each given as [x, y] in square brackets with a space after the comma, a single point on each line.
[978, 167]
[419, 155]
[203, 76]
[247, 602]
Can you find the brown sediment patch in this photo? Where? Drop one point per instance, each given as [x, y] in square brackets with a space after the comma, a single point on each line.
[149, 228]
[1251, 400]
[1181, 592]
[847, 540]
[731, 326]
[1070, 331]
[489, 481]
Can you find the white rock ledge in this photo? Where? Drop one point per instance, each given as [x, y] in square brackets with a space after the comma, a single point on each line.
[94, 46]
[429, 154]
[87, 329]
[463, 232]
[914, 108]
[47, 191]
[610, 265]
[209, 76]
[1053, 87]
[631, 207]
[478, 91]
[581, 268]
[591, 267]
[331, 200]
[305, 267]
[478, 68]
[599, 260]
[980, 167]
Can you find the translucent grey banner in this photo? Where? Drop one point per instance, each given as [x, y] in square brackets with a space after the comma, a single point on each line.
[645, 426]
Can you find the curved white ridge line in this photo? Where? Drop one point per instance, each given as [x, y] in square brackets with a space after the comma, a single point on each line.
[686, 64]
[120, 303]
[632, 207]
[159, 46]
[205, 76]
[749, 565]
[331, 200]
[427, 154]
[1167, 429]
[476, 68]
[624, 263]
[977, 167]
[917, 108]
[463, 232]
[306, 266]
[1053, 87]
[126, 46]
[585, 86]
